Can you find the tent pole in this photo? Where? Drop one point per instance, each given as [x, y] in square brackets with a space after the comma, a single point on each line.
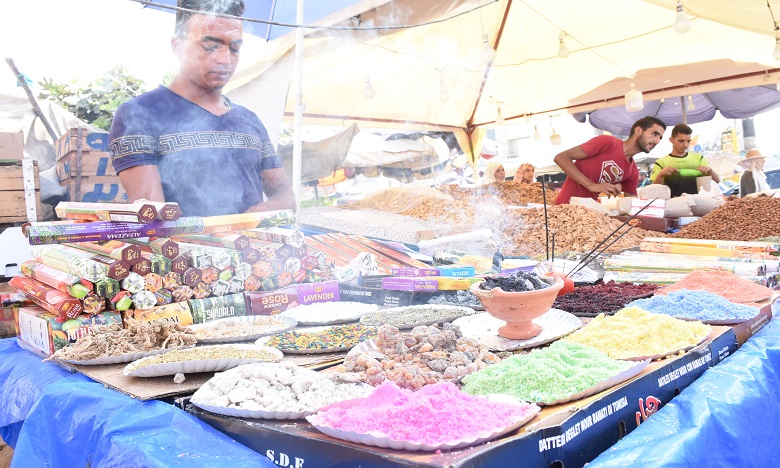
[684, 110]
[298, 116]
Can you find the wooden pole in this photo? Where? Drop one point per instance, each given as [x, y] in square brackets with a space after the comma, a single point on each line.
[31, 97]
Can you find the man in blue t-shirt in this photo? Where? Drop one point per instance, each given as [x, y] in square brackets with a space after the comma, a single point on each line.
[189, 144]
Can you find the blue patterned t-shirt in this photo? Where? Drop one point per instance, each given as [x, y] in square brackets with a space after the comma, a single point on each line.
[209, 164]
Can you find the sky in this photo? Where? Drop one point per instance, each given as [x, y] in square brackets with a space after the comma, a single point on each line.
[79, 40]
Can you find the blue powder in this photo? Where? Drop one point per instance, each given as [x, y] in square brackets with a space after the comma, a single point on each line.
[698, 305]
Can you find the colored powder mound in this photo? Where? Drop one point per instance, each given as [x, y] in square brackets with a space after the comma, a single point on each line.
[434, 415]
[633, 332]
[723, 283]
[696, 305]
[547, 374]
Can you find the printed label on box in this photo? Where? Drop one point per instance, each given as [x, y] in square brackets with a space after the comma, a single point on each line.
[34, 331]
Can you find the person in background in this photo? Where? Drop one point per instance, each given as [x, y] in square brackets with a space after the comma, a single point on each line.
[643, 179]
[680, 168]
[187, 142]
[753, 179]
[525, 173]
[605, 164]
[494, 172]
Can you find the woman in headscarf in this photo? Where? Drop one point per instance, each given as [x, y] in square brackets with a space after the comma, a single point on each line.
[494, 172]
[525, 173]
[753, 179]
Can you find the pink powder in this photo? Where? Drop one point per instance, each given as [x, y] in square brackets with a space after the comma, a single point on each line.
[433, 415]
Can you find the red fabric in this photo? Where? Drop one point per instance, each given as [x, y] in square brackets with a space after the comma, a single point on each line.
[606, 162]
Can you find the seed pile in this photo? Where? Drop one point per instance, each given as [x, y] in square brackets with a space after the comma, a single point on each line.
[607, 297]
[232, 328]
[723, 283]
[633, 333]
[576, 228]
[546, 374]
[336, 337]
[113, 340]
[424, 356]
[204, 353]
[409, 316]
[697, 305]
[741, 219]
[434, 415]
[275, 387]
[509, 193]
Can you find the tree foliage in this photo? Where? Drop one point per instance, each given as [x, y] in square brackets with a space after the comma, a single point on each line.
[96, 102]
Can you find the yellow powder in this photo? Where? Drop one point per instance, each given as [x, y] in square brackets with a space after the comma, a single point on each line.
[633, 332]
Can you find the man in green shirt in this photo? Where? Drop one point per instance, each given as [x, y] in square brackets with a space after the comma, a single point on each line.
[679, 169]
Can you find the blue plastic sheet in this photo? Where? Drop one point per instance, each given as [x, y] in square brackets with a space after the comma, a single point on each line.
[728, 417]
[22, 378]
[86, 424]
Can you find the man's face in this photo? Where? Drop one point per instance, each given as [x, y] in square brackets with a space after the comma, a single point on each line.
[680, 143]
[649, 138]
[208, 50]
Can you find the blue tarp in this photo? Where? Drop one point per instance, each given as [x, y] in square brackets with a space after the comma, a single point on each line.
[70, 420]
[728, 417]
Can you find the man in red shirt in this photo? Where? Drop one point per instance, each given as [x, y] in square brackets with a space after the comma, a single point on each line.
[605, 164]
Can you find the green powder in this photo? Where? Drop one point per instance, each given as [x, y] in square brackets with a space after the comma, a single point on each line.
[546, 374]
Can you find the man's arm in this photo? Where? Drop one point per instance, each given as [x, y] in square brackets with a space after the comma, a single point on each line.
[565, 161]
[278, 190]
[142, 182]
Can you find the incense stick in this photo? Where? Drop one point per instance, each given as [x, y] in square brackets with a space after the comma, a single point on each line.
[611, 234]
[546, 223]
[575, 270]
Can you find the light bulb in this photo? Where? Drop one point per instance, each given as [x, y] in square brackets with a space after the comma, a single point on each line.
[499, 117]
[368, 90]
[537, 135]
[488, 52]
[555, 138]
[691, 105]
[776, 53]
[634, 102]
[443, 94]
[563, 51]
[681, 24]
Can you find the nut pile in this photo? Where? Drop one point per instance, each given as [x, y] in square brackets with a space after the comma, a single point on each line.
[275, 387]
[138, 336]
[741, 219]
[576, 228]
[318, 216]
[424, 356]
[509, 193]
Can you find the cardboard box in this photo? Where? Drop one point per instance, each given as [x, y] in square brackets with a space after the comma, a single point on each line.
[383, 297]
[93, 163]
[274, 302]
[651, 223]
[45, 333]
[569, 434]
[409, 284]
[655, 210]
[88, 141]
[11, 145]
[96, 189]
[13, 206]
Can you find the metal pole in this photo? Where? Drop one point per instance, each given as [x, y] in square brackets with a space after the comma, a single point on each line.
[684, 110]
[298, 114]
[31, 97]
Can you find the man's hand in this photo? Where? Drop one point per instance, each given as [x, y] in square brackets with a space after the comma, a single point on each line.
[609, 189]
[667, 171]
[707, 170]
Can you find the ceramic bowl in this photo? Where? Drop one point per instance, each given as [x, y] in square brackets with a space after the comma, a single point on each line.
[518, 309]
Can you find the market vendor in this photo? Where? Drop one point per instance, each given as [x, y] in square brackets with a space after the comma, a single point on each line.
[188, 143]
[605, 164]
[494, 172]
[525, 173]
[679, 169]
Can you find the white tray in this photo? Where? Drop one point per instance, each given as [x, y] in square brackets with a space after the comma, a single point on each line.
[201, 365]
[289, 324]
[127, 357]
[457, 312]
[262, 342]
[328, 313]
[380, 440]
[484, 329]
[255, 414]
